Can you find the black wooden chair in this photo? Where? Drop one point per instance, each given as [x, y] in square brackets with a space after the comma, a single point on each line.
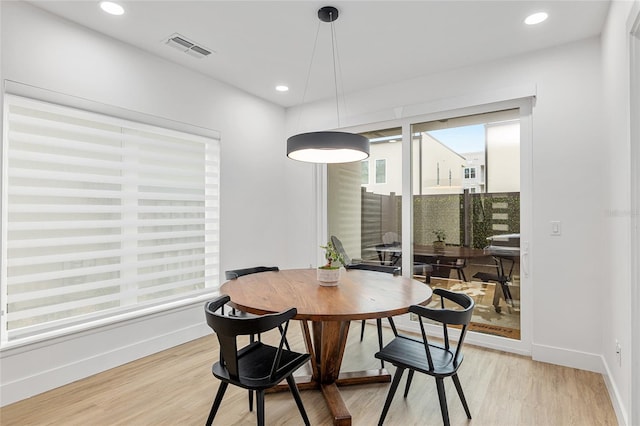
[502, 277]
[395, 270]
[418, 267]
[257, 366]
[454, 264]
[441, 267]
[235, 274]
[437, 360]
[368, 266]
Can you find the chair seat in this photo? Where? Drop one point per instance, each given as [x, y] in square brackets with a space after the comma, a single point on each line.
[421, 268]
[409, 353]
[395, 270]
[485, 276]
[254, 366]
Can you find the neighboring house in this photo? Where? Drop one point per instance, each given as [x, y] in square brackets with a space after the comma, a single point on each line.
[473, 174]
[437, 169]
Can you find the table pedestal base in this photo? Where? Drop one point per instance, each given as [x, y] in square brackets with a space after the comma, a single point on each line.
[331, 393]
[325, 364]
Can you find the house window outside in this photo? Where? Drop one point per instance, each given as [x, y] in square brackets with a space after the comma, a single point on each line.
[381, 171]
[365, 172]
[101, 217]
[470, 173]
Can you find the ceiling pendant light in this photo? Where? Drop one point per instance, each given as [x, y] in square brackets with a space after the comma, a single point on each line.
[328, 146]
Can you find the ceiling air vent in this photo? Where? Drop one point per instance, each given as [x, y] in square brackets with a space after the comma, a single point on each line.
[187, 46]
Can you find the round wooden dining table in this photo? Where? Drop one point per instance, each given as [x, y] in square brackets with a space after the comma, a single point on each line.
[359, 295]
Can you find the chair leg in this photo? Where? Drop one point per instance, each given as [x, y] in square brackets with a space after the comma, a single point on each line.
[392, 391]
[456, 381]
[216, 402]
[362, 330]
[379, 327]
[296, 395]
[260, 406]
[393, 326]
[408, 385]
[250, 400]
[443, 400]
[506, 292]
[286, 343]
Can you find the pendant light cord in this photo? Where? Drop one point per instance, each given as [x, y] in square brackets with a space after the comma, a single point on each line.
[334, 47]
[335, 56]
[306, 84]
[325, 147]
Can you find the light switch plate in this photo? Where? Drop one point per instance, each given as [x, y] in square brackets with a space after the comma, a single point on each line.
[556, 229]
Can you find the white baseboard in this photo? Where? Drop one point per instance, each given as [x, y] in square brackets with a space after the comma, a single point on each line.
[568, 358]
[583, 361]
[36, 368]
[614, 394]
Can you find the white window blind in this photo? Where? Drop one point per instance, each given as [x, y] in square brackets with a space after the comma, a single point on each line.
[101, 216]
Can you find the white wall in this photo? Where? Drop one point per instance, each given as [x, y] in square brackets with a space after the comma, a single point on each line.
[571, 275]
[616, 307]
[42, 50]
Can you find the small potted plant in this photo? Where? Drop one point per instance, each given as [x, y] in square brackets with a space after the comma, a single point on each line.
[329, 274]
[441, 236]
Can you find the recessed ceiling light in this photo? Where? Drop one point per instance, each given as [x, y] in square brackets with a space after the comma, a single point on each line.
[282, 88]
[536, 18]
[111, 8]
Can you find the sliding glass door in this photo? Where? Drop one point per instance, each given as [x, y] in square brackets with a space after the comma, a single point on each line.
[442, 197]
[466, 212]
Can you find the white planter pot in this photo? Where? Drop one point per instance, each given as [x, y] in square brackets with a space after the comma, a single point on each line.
[328, 277]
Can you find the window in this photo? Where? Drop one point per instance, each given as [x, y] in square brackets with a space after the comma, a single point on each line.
[470, 173]
[101, 216]
[381, 171]
[365, 172]
[360, 214]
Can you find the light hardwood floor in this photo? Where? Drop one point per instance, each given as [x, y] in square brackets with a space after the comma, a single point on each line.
[175, 387]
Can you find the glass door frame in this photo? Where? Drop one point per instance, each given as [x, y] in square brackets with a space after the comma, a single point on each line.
[634, 68]
[525, 105]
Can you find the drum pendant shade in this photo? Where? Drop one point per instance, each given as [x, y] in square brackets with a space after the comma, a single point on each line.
[328, 147]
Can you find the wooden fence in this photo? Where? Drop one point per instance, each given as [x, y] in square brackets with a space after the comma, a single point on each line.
[467, 219]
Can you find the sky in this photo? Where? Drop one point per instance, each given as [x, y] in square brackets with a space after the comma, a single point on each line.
[461, 139]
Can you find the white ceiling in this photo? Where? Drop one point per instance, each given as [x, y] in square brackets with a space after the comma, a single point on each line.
[259, 44]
